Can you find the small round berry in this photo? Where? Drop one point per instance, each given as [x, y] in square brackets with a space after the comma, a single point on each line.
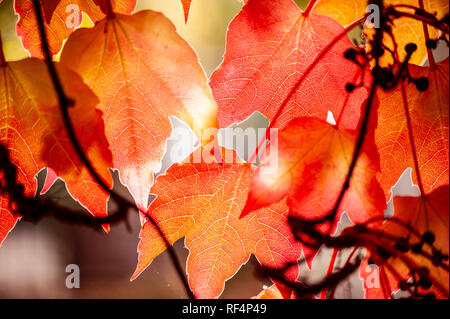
[410, 48]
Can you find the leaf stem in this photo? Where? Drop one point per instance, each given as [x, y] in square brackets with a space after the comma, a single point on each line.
[309, 8]
[65, 103]
[411, 136]
[431, 60]
[109, 8]
[323, 294]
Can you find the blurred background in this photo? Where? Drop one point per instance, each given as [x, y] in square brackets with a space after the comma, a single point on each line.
[33, 258]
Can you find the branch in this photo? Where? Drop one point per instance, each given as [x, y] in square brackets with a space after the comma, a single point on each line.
[65, 103]
[300, 81]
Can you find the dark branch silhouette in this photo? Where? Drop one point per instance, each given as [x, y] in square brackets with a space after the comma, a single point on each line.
[64, 103]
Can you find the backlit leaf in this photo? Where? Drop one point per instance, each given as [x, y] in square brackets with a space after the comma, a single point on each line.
[32, 129]
[143, 72]
[270, 44]
[61, 19]
[405, 30]
[426, 213]
[429, 118]
[7, 219]
[313, 162]
[202, 202]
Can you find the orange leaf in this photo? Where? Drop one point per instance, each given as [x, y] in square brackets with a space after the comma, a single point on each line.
[429, 118]
[7, 219]
[428, 213]
[33, 131]
[202, 202]
[49, 7]
[405, 30]
[143, 72]
[61, 19]
[345, 12]
[187, 5]
[313, 162]
[270, 44]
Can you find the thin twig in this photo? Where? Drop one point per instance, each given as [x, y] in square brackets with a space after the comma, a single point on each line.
[65, 103]
[308, 70]
[411, 136]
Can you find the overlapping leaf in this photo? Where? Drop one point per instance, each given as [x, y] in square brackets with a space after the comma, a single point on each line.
[405, 30]
[202, 202]
[7, 219]
[32, 129]
[270, 44]
[426, 213]
[143, 72]
[313, 161]
[61, 18]
[429, 118]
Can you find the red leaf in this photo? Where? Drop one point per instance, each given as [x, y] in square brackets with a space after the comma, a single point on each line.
[270, 44]
[313, 162]
[426, 213]
[61, 19]
[202, 202]
[33, 131]
[143, 72]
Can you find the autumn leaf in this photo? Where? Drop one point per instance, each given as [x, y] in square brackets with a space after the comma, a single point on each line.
[429, 121]
[426, 214]
[405, 30]
[345, 12]
[313, 161]
[143, 72]
[7, 219]
[49, 7]
[202, 202]
[270, 44]
[33, 130]
[62, 17]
